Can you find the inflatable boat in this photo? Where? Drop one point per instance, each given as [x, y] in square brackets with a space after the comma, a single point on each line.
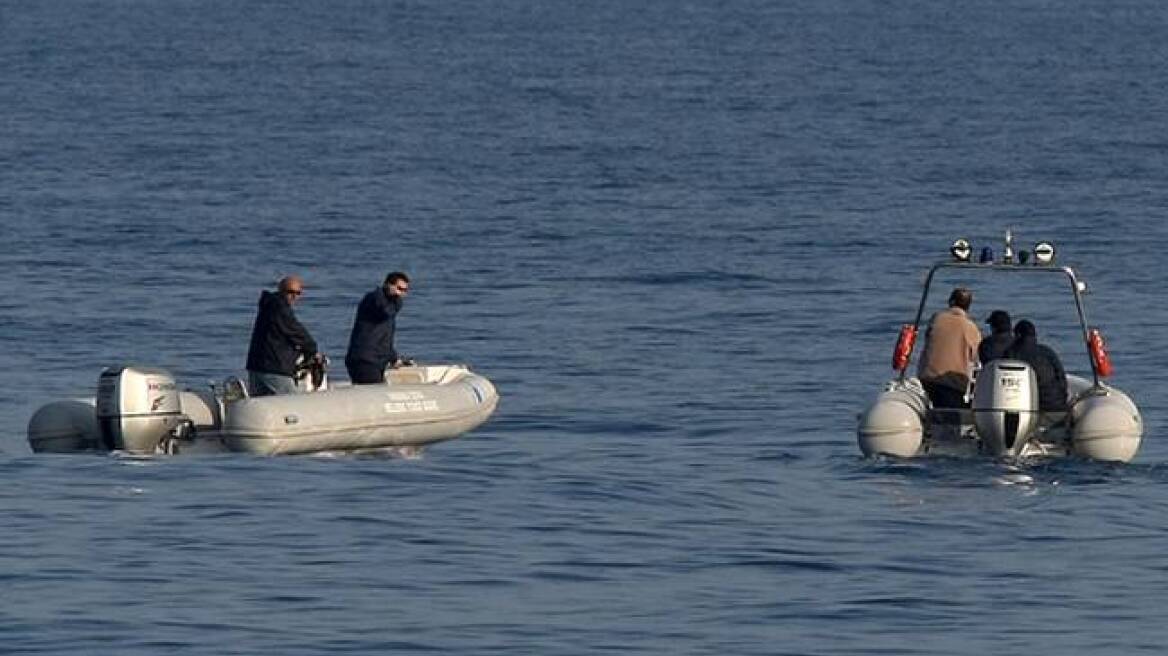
[142, 410]
[1003, 418]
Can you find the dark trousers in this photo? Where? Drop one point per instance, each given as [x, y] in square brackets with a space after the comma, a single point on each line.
[365, 373]
[944, 396]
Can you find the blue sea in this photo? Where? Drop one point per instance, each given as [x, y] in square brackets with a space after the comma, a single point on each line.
[679, 236]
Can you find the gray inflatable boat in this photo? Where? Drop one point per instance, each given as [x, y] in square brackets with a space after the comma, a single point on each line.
[1002, 417]
[141, 410]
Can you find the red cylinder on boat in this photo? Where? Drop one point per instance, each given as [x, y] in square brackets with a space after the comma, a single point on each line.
[1099, 356]
[904, 346]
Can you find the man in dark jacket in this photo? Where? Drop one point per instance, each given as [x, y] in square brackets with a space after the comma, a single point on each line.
[277, 340]
[1052, 379]
[994, 345]
[371, 347]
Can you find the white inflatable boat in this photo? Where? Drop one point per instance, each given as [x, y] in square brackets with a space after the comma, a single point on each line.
[142, 410]
[1003, 417]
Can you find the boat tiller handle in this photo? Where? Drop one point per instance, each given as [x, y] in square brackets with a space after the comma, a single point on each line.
[904, 347]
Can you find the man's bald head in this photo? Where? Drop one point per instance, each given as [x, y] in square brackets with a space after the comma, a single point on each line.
[291, 287]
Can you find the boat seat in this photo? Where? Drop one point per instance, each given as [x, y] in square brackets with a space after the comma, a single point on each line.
[406, 376]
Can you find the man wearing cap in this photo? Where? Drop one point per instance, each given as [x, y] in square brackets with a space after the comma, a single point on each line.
[1048, 368]
[277, 340]
[950, 352]
[1000, 338]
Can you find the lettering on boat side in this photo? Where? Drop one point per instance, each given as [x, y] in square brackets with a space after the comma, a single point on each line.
[421, 405]
[408, 402]
[291, 419]
[405, 396]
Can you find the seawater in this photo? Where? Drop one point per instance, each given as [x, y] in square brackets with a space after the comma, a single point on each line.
[679, 237]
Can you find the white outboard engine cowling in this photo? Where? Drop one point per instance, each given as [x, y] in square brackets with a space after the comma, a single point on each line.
[1005, 406]
[139, 409]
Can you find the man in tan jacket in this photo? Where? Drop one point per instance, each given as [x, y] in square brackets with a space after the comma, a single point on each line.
[950, 352]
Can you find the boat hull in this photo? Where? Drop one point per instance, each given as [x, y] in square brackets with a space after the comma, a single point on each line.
[1103, 424]
[359, 418]
[895, 424]
[1107, 426]
[416, 407]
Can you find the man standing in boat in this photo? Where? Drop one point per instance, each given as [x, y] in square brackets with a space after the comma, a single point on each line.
[950, 352]
[371, 347]
[278, 339]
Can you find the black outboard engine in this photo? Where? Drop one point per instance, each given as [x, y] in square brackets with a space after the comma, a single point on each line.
[139, 410]
[1005, 406]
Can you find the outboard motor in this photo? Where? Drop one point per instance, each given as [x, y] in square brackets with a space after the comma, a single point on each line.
[1005, 406]
[139, 410]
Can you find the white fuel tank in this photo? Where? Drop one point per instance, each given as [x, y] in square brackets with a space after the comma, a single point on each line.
[1005, 406]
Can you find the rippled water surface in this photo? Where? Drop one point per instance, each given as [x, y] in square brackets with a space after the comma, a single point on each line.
[679, 237]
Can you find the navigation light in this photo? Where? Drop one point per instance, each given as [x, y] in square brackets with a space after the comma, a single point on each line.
[1044, 252]
[961, 250]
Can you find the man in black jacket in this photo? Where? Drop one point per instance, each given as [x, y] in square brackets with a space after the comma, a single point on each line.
[994, 345]
[277, 340]
[1052, 379]
[371, 347]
